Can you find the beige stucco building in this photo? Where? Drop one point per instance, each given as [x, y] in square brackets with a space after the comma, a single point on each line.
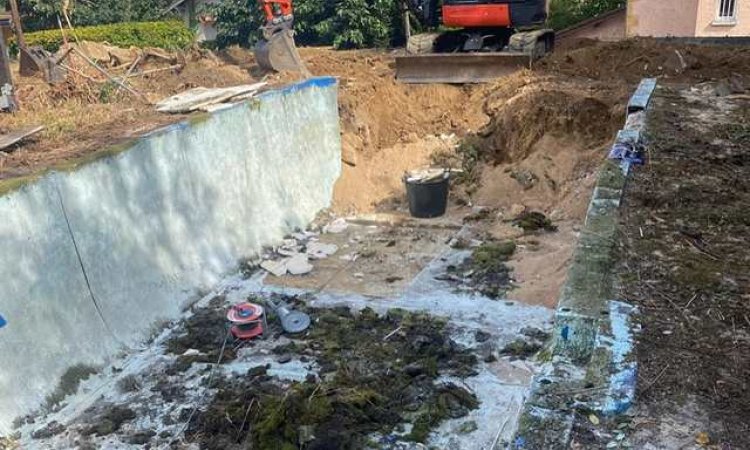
[688, 18]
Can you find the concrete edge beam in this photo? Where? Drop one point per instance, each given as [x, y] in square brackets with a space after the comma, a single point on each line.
[591, 331]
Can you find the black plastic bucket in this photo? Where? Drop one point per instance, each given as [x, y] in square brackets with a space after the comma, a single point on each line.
[427, 199]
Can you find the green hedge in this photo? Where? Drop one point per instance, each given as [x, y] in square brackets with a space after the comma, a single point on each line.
[169, 35]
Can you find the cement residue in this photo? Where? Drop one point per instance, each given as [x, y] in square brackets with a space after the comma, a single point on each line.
[340, 383]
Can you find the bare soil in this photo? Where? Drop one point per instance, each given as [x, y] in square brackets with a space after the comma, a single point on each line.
[633, 59]
[686, 231]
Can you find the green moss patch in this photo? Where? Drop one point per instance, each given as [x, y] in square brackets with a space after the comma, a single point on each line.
[376, 373]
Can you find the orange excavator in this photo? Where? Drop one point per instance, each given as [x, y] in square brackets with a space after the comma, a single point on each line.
[479, 39]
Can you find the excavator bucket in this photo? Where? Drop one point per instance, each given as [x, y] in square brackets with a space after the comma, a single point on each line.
[279, 53]
[459, 68]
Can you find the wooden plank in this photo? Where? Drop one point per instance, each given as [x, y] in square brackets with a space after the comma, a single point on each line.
[6, 140]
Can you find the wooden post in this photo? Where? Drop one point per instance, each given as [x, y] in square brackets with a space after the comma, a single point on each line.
[6, 79]
[16, 15]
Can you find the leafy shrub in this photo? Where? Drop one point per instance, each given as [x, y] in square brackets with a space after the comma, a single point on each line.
[170, 35]
[341, 23]
[43, 14]
[566, 13]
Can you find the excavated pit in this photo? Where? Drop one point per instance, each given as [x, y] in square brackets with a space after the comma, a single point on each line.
[424, 331]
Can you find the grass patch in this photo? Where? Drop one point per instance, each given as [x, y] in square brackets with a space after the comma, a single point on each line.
[531, 221]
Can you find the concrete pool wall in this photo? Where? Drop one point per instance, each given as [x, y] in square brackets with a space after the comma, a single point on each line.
[93, 259]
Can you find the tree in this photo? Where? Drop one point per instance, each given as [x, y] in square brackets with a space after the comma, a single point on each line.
[42, 14]
[341, 23]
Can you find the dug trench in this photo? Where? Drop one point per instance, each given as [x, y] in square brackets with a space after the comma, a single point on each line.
[423, 332]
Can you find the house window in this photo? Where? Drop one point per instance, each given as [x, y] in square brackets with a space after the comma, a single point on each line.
[727, 11]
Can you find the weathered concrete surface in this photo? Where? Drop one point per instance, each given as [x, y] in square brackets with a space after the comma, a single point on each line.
[153, 226]
[592, 340]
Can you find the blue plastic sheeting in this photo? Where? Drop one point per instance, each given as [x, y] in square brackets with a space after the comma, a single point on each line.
[642, 96]
[319, 82]
[3, 322]
[627, 154]
[622, 382]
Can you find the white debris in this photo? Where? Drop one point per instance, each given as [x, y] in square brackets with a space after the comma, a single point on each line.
[277, 268]
[337, 226]
[286, 251]
[319, 250]
[191, 352]
[426, 175]
[298, 265]
[350, 256]
[305, 235]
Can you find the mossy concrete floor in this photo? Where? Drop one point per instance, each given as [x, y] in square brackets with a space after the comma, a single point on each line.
[400, 355]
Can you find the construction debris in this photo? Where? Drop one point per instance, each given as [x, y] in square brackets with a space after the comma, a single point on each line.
[200, 98]
[426, 175]
[298, 265]
[7, 140]
[276, 268]
[295, 253]
[291, 321]
[337, 226]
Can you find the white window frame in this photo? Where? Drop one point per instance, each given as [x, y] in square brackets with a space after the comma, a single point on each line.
[722, 8]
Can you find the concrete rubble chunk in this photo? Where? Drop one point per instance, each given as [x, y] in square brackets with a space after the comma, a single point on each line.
[337, 226]
[319, 250]
[286, 251]
[304, 235]
[277, 268]
[298, 265]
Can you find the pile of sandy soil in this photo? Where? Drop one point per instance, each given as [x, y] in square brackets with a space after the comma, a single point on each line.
[545, 135]
[390, 127]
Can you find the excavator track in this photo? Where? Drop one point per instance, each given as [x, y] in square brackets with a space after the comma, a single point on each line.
[423, 64]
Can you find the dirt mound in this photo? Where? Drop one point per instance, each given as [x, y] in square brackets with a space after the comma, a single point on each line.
[547, 105]
[546, 136]
[632, 59]
[388, 127]
[381, 111]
